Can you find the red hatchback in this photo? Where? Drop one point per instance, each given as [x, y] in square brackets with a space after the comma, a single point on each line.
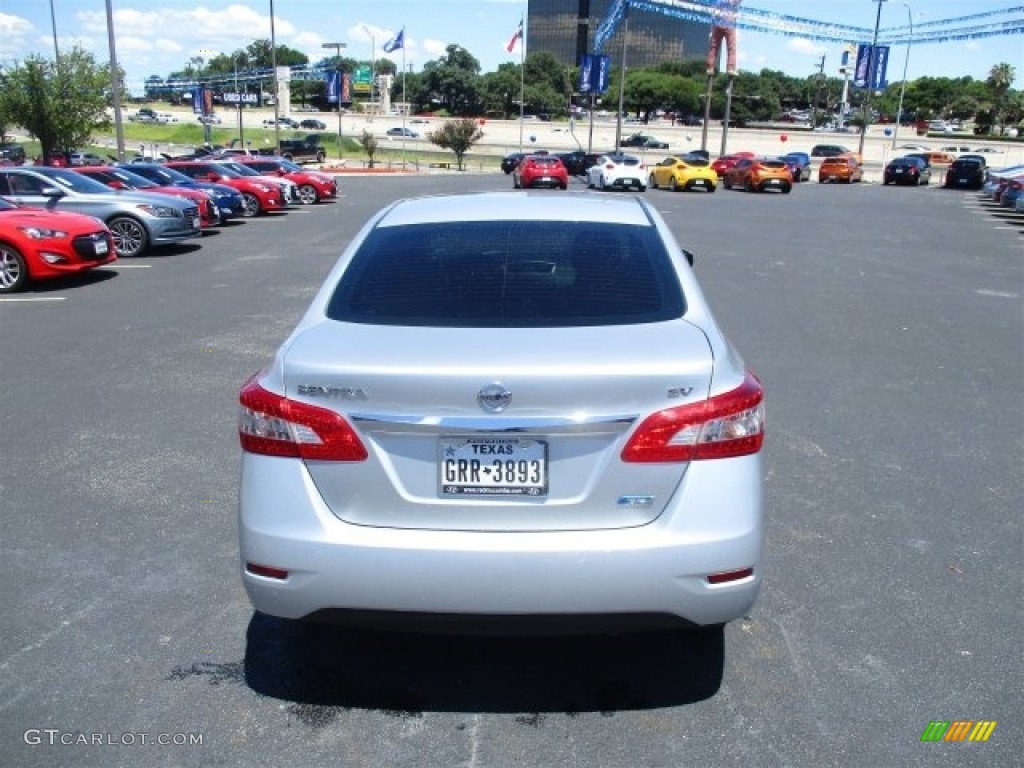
[257, 197]
[540, 170]
[725, 162]
[314, 187]
[121, 178]
[36, 244]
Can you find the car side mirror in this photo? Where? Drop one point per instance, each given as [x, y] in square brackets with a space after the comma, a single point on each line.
[689, 256]
[116, 185]
[53, 192]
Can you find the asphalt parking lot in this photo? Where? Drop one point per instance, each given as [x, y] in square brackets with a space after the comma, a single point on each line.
[887, 327]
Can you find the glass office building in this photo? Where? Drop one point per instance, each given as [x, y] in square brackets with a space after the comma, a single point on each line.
[565, 29]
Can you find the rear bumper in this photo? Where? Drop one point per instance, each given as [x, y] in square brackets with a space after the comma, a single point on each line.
[712, 525]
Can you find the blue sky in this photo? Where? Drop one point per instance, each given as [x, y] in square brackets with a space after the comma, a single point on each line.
[160, 36]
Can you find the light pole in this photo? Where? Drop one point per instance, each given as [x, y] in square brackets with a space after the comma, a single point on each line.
[53, 23]
[337, 68]
[115, 83]
[277, 92]
[238, 95]
[903, 85]
[872, 76]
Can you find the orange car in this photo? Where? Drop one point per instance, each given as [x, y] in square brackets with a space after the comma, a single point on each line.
[759, 174]
[843, 168]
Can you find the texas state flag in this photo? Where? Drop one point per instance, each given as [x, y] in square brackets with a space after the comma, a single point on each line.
[517, 36]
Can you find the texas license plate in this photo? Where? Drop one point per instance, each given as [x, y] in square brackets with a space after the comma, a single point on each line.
[196, 222]
[492, 466]
[101, 247]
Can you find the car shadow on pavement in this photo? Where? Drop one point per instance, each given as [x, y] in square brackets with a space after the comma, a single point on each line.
[329, 667]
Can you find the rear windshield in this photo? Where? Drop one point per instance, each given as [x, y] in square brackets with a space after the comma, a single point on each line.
[509, 274]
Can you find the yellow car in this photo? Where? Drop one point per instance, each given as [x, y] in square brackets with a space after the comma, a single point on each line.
[687, 172]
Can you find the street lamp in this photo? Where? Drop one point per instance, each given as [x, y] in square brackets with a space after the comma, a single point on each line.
[872, 76]
[238, 95]
[903, 86]
[337, 47]
[277, 91]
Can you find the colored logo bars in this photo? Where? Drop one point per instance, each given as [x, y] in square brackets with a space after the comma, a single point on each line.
[958, 730]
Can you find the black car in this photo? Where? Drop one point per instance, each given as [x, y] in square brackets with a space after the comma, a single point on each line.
[911, 169]
[13, 152]
[313, 125]
[643, 141]
[965, 173]
[511, 160]
[573, 161]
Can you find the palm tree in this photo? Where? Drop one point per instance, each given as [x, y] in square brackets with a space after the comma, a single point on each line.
[1000, 78]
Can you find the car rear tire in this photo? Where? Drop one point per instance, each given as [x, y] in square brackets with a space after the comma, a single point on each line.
[250, 205]
[130, 236]
[308, 195]
[673, 185]
[13, 270]
[653, 182]
[747, 186]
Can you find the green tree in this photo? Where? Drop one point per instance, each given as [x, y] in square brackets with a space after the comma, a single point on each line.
[453, 81]
[499, 90]
[1000, 78]
[458, 136]
[369, 142]
[59, 104]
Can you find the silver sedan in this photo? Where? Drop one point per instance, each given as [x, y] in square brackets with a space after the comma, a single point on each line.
[137, 220]
[503, 406]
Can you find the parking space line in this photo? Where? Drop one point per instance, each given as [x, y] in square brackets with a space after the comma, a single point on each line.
[30, 299]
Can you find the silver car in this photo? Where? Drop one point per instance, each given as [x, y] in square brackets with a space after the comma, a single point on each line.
[501, 406]
[137, 220]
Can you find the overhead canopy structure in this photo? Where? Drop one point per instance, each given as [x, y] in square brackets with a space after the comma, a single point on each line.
[1007, 21]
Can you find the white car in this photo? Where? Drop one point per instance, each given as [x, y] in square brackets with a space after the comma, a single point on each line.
[210, 119]
[505, 407]
[617, 171]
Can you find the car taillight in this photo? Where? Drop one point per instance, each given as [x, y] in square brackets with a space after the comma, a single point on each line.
[728, 425]
[274, 425]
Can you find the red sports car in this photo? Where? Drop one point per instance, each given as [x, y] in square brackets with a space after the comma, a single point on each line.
[537, 170]
[314, 186]
[258, 197]
[725, 162]
[36, 244]
[122, 178]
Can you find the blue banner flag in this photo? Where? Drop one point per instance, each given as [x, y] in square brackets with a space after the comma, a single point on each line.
[396, 42]
[871, 66]
[594, 73]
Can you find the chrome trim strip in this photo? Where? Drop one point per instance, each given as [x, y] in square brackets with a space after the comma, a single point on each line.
[395, 423]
